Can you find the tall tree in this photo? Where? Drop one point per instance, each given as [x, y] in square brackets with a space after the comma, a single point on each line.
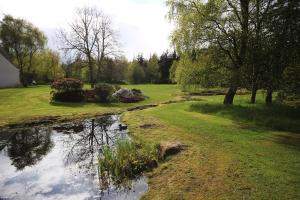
[165, 62]
[153, 69]
[92, 35]
[223, 23]
[21, 40]
[107, 44]
[82, 36]
[283, 24]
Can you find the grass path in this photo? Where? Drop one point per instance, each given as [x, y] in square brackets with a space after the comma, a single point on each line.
[227, 159]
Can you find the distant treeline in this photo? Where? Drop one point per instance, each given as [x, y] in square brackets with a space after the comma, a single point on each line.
[26, 47]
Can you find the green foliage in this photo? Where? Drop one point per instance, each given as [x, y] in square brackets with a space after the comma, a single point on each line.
[113, 70]
[21, 40]
[200, 72]
[165, 62]
[136, 73]
[104, 91]
[47, 67]
[258, 40]
[153, 69]
[126, 161]
[290, 89]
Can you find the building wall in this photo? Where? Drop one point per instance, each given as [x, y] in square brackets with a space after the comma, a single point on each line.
[9, 74]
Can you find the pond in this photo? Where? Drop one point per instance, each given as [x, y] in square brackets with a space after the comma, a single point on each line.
[60, 161]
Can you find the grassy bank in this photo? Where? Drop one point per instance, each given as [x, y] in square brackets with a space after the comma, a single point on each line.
[243, 151]
[236, 152]
[21, 104]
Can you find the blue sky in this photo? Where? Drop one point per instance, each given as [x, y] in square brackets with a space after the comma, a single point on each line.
[141, 24]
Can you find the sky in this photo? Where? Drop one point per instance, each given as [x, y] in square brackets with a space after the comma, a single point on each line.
[142, 25]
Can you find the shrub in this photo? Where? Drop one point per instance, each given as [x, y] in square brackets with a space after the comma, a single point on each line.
[67, 84]
[67, 90]
[104, 92]
[68, 96]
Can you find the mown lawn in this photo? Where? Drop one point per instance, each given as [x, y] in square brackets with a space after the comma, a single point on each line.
[242, 151]
[21, 104]
[235, 152]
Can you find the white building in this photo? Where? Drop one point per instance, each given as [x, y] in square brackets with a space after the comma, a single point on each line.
[9, 74]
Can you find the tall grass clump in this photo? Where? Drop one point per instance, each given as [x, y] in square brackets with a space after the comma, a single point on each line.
[126, 161]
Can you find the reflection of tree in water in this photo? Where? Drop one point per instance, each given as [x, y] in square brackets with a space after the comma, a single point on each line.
[85, 147]
[29, 146]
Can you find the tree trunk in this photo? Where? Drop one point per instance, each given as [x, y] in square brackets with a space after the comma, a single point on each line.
[92, 81]
[269, 96]
[228, 100]
[253, 93]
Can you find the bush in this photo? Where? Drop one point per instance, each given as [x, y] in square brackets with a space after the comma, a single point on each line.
[67, 84]
[67, 90]
[104, 92]
[68, 96]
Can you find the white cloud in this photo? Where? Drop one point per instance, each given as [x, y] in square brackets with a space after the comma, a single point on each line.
[141, 24]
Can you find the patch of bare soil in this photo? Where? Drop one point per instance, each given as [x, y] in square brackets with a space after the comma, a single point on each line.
[149, 126]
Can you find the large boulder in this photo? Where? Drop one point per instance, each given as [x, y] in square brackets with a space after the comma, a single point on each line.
[128, 96]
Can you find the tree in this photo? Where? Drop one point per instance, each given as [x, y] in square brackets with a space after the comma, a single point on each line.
[224, 24]
[114, 70]
[106, 43]
[136, 73]
[46, 66]
[283, 46]
[165, 62]
[201, 70]
[83, 35]
[92, 35]
[153, 69]
[21, 40]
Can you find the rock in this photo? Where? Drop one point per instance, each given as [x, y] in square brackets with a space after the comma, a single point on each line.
[128, 96]
[170, 148]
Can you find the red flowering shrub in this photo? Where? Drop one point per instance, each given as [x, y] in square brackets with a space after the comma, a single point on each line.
[67, 90]
[67, 84]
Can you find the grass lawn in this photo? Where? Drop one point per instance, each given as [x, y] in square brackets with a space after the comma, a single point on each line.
[235, 152]
[242, 151]
[21, 104]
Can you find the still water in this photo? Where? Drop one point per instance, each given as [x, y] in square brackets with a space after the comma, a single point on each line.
[60, 162]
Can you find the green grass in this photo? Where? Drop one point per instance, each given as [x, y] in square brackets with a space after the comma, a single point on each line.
[21, 104]
[238, 152]
[243, 151]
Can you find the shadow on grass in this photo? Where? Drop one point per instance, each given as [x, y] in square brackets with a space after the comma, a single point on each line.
[292, 141]
[275, 117]
[81, 104]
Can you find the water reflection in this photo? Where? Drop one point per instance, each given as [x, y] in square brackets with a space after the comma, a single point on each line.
[60, 162]
[28, 146]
